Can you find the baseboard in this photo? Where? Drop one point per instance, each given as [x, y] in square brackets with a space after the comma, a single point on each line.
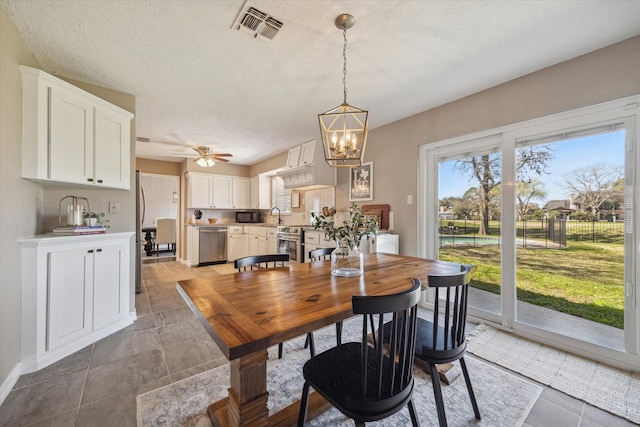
[9, 382]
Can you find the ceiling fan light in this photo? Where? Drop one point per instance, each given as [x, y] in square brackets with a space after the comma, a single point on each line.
[205, 162]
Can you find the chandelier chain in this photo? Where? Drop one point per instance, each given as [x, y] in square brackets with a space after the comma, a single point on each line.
[344, 67]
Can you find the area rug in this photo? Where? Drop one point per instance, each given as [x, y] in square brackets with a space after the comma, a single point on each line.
[613, 390]
[503, 398]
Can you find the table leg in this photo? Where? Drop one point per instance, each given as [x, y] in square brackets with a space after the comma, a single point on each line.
[148, 246]
[247, 401]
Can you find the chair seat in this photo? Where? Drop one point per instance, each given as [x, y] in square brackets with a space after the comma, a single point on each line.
[335, 374]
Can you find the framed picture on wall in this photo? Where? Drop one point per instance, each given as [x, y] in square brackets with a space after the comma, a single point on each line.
[361, 183]
[295, 200]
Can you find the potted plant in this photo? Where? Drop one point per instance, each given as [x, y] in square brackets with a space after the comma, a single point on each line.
[94, 218]
[346, 259]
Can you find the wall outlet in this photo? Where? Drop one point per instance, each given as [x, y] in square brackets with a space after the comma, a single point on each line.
[114, 207]
[410, 199]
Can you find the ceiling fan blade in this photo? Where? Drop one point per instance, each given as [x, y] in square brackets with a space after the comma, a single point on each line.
[222, 155]
[218, 159]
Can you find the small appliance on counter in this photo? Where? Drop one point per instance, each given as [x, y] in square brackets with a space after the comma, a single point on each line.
[248, 217]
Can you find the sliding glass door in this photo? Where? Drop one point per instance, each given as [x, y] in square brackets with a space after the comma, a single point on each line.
[570, 240]
[469, 216]
[545, 211]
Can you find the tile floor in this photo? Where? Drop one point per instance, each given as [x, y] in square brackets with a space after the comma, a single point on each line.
[98, 385]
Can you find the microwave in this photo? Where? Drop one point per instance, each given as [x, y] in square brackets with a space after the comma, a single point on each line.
[248, 216]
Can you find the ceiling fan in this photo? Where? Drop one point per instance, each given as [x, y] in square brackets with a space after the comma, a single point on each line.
[205, 156]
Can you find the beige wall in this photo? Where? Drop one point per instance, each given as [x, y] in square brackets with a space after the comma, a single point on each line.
[276, 162]
[158, 167]
[27, 208]
[599, 76]
[20, 200]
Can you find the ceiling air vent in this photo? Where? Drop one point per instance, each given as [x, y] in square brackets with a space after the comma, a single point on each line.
[257, 23]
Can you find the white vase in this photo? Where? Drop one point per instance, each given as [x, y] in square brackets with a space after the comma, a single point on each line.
[90, 221]
[347, 262]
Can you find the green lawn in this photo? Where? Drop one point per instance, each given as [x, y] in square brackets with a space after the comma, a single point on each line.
[584, 280]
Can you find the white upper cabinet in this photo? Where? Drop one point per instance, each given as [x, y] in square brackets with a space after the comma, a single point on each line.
[70, 136]
[199, 190]
[293, 159]
[261, 192]
[241, 193]
[222, 192]
[208, 191]
[302, 155]
[112, 154]
[308, 154]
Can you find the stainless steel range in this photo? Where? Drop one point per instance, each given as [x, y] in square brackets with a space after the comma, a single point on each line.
[290, 241]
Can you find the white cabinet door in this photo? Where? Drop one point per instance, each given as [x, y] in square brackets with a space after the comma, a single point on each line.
[293, 159]
[254, 246]
[109, 287]
[272, 240]
[70, 296]
[112, 141]
[261, 192]
[241, 193]
[199, 195]
[238, 246]
[222, 192]
[70, 137]
[308, 153]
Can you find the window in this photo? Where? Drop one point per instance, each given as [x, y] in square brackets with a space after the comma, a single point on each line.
[280, 196]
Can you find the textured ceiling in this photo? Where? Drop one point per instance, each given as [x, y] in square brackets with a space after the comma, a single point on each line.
[198, 81]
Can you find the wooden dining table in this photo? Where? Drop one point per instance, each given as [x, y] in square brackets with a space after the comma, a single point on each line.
[248, 312]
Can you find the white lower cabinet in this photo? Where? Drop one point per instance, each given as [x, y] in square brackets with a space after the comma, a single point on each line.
[316, 240]
[75, 291]
[238, 245]
[272, 240]
[257, 241]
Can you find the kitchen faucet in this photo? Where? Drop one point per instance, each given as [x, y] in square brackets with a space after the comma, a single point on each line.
[279, 220]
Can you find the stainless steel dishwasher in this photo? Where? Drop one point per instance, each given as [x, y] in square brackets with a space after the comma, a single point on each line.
[212, 245]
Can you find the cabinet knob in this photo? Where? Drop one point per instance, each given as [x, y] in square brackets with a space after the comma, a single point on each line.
[90, 251]
[99, 181]
[98, 250]
[90, 179]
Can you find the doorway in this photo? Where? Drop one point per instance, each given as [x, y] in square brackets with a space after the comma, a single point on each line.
[159, 196]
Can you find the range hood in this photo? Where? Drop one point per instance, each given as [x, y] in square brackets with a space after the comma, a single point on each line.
[306, 168]
[309, 177]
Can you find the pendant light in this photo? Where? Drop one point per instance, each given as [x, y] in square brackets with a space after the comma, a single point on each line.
[344, 129]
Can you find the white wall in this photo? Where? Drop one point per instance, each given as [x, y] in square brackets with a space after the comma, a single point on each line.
[158, 190]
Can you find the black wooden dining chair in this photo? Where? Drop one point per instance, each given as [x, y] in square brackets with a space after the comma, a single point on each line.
[442, 339]
[319, 255]
[271, 261]
[260, 261]
[364, 382]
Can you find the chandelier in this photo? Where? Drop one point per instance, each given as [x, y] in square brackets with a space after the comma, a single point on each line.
[344, 129]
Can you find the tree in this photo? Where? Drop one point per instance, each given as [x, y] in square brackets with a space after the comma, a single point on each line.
[486, 170]
[593, 185]
[526, 191]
